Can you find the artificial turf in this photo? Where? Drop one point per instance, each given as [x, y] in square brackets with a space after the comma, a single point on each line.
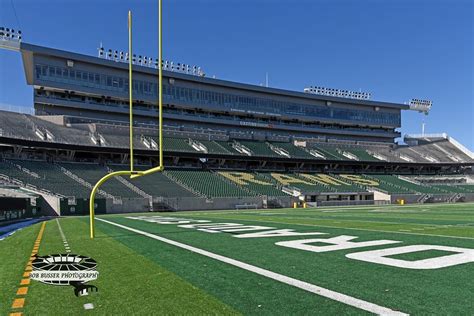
[140, 275]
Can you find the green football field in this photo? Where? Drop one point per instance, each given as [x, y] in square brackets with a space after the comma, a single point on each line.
[330, 261]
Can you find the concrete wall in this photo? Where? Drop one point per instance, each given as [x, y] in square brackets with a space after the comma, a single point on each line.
[380, 196]
[128, 205]
[193, 204]
[435, 198]
[409, 198]
[468, 197]
[345, 203]
[49, 204]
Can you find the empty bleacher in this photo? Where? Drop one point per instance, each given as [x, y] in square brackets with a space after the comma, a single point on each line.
[253, 182]
[177, 144]
[294, 181]
[466, 187]
[207, 183]
[260, 149]
[393, 184]
[215, 148]
[361, 154]
[56, 178]
[157, 184]
[427, 149]
[228, 146]
[330, 153]
[294, 151]
[43, 175]
[452, 188]
[93, 173]
[15, 125]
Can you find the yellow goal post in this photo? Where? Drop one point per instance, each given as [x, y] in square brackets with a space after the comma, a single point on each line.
[132, 173]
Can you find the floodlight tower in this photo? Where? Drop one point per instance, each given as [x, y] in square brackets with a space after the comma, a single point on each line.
[422, 106]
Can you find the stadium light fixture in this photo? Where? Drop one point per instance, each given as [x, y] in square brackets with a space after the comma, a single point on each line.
[147, 61]
[422, 106]
[358, 95]
[8, 34]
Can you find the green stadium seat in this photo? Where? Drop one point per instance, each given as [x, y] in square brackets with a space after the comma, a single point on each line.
[207, 183]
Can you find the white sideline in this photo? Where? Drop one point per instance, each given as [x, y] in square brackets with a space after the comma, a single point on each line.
[352, 301]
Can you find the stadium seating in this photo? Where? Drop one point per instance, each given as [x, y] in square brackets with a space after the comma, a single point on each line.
[330, 153]
[54, 177]
[259, 149]
[93, 173]
[157, 184]
[115, 134]
[342, 183]
[362, 154]
[228, 146]
[397, 185]
[467, 187]
[43, 175]
[386, 183]
[15, 125]
[177, 144]
[452, 188]
[215, 148]
[302, 182]
[294, 151]
[207, 183]
[253, 182]
[334, 182]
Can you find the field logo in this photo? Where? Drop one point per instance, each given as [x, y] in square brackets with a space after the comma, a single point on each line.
[66, 269]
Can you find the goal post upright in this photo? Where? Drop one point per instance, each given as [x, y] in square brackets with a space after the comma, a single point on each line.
[135, 174]
[160, 97]
[130, 87]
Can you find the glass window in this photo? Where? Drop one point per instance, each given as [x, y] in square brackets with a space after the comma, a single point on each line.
[38, 71]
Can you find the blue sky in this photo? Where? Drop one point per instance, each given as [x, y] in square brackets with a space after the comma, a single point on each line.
[396, 50]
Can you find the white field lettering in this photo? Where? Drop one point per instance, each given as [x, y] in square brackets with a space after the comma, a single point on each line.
[334, 243]
[343, 242]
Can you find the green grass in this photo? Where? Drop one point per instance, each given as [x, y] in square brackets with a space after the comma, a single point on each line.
[140, 275]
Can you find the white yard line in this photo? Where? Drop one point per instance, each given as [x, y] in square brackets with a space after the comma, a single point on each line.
[68, 250]
[339, 297]
[66, 244]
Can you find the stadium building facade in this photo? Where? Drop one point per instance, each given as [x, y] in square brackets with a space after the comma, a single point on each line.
[83, 86]
[226, 144]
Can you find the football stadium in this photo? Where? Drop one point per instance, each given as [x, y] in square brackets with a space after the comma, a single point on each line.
[136, 185]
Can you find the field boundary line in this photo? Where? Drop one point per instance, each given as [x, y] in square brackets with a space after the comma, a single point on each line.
[335, 296]
[325, 226]
[22, 291]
